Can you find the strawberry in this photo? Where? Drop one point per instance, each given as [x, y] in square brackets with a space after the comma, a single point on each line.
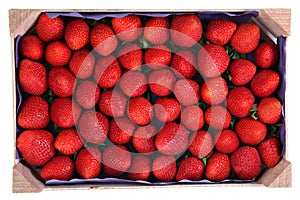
[57, 54]
[33, 77]
[113, 103]
[214, 90]
[140, 110]
[133, 83]
[218, 167]
[164, 168]
[157, 57]
[220, 31]
[140, 168]
[156, 30]
[131, 57]
[59, 168]
[87, 94]
[242, 72]
[36, 146]
[269, 110]
[269, 151]
[161, 82]
[82, 63]
[266, 55]
[61, 82]
[191, 168]
[226, 141]
[120, 130]
[245, 162]
[187, 92]
[77, 34]
[88, 162]
[172, 139]
[246, 37]
[217, 117]
[251, 131]
[265, 83]
[103, 39]
[186, 30]
[240, 101]
[34, 113]
[184, 64]
[107, 71]
[31, 47]
[192, 117]
[167, 109]
[212, 60]
[201, 144]
[49, 29]
[143, 139]
[68, 141]
[127, 28]
[93, 126]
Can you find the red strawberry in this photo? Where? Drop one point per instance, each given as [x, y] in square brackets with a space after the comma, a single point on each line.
[226, 141]
[184, 64]
[269, 151]
[167, 109]
[34, 113]
[143, 139]
[49, 29]
[127, 28]
[265, 83]
[157, 57]
[217, 117]
[186, 30]
[140, 110]
[266, 55]
[156, 30]
[33, 77]
[82, 63]
[88, 162]
[245, 162]
[36, 146]
[192, 117]
[187, 91]
[164, 168]
[190, 168]
[246, 37]
[218, 167]
[240, 101]
[161, 82]
[60, 168]
[220, 31]
[269, 110]
[113, 103]
[31, 47]
[251, 131]
[201, 144]
[212, 60]
[133, 83]
[140, 168]
[77, 34]
[57, 54]
[131, 57]
[103, 39]
[68, 141]
[214, 90]
[120, 130]
[87, 94]
[172, 139]
[242, 72]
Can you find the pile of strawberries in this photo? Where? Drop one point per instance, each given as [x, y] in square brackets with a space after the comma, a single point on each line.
[158, 99]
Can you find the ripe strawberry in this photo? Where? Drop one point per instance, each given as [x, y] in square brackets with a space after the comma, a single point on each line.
[218, 167]
[157, 57]
[87, 94]
[201, 144]
[120, 130]
[82, 63]
[266, 55]
[245, 162]
[240, 101]
[59, 167]
[36, 146]
[214, 90]
[49, 29]
[140, 168]
[164, 167]
[161, 82]
[212, 60]
[140, 110]
[217, 117]
[133, 83]
[269, 110]
[246, 37]
[269, 151]
[61, 82]
[156, 30]
[127, 28]
[184, 64]
[186, 30]
[131, 57]
[172, 139]
[113, 103]
[68, 141]
[220, 31]
[103, 39]
[242, 72]
[77, 34]
[265, 83]
[34, 113]
[190, 168]
[187, 91]
[167, 109]
[251, 131]
[33, 77]
[31, 47]
[226, 141]
[57, 54]
[93, 126]
[88, 162]
[192, 117]
[143, 139]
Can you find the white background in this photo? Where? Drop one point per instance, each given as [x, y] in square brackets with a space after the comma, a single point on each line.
[292, 103]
